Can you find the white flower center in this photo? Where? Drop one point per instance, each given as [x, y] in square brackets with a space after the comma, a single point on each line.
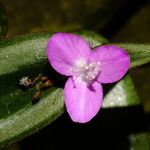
[86, 72]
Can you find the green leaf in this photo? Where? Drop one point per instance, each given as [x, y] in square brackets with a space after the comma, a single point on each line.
[139, 141]
[122, 94]
[25, 56]
[31, 118]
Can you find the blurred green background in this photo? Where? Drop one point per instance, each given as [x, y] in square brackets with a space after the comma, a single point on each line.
[117, 20]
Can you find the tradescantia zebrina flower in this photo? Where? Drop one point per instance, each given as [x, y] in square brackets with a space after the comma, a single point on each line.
[87, 68]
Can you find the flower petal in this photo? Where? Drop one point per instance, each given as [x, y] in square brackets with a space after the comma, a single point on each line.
[82, 102]
[114, 60]
[64, 49]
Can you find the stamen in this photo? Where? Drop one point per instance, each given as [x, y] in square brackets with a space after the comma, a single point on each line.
[86, 72]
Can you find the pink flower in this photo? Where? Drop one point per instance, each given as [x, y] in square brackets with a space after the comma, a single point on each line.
[87, 68]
